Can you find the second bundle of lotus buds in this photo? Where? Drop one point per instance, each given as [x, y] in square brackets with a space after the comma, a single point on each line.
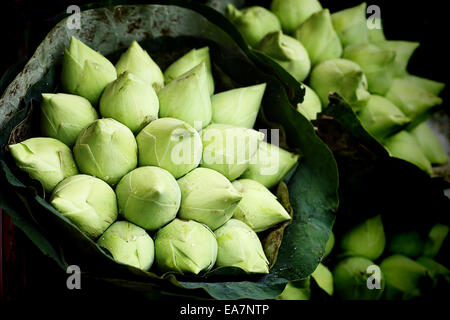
[311, 105]
[88, 202]
[380, 117]
[402, 145]
[63, 116]
[207, 197]
[319, 38]
[229, 149]
[292, 13]
[344, 77]
[239, 246]
[171, 144]
[351, 25]
[259, 208]
[238, 107]
[324, 278]
[190, 60]
[130, 101]
[403, 52]
[376, 63]
[288, 52]
[138, 62]
[106, 149]
[85, 72]
[129, 244]
[429, 144]
[253, 22]
[45, 159]
[149, 197]
[270, 165]
[185, 247]
[187, 98]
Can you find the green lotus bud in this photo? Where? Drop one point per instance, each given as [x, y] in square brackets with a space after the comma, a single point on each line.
[380, 117]
[228, 149]
[85, 72]
[317, 35]
[296, 290]
[402, 277]
[324, 278]
[171, 144]
[45, 159]
[253, 22]
[428, 142]
[63, 116]
[342, 76]
[403, 146]
[207, 197]
[352, 277]
[138, 62]
[149, 197]
[431, 86]
[377, 34]
[403, 52]
[292, 13]
[238, 107]
[407, 243]
[367, 239]
[288, 52]
[311, 104]
[351, 25]
[106, 149]
[376, 64]
[129, 244]
[187, 98]
[411, 99]
[270, 165]
[130, 101]
[185, 246]
[259, 208]
[88, 202]
[239, 246]
[190, 60]
[434, 268]
[329, 245]
[436, 238]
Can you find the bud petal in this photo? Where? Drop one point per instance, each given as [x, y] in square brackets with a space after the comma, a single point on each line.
[329, 246]
[429, 144]
[376, 35]
[296, 290]
[431, 86]
[292, 13]
[351, 25]
[311, 104]
[436, 238]
[324, 278]
[403, 52]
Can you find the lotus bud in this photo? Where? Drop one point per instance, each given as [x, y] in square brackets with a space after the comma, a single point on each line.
[317, 35]
[431, 86]
[207, 197]
[129, 244]
[329, 245]
[344, 77]
[376, 64]
[428, 142]
[253, 22]
[292, 13]
[238, 107]
[190, 60]
[259, 208]
[366, 239]
[351, 25]
[324, 278]
[228, 149]
[296, 290]
[270, 165]
[138, 62]
[185, 246]
[171, 144]
[130, 101]
[187, 98]
[436, 238]
[403, 276]
[106, 149]
[87, 202]
[403, 52]
[149, 197]
[85, 72]
[411, 99]
[63, 116]
[351, 278]
[288, 52]
[311, 105]
[380, 117]
[403, 146]
[409, 244]
[239, 246]
[376, 34]
[45, 159]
